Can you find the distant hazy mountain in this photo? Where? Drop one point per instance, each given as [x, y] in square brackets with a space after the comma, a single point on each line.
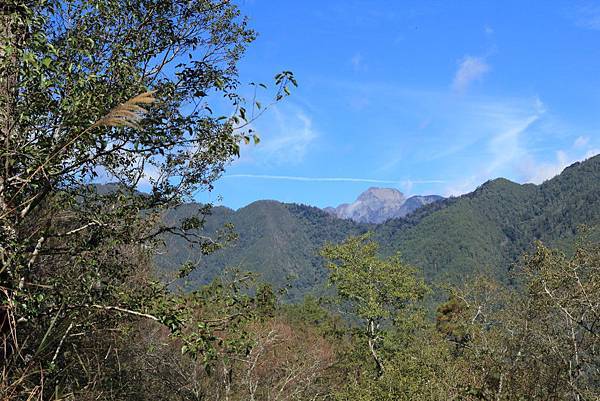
[377, 205]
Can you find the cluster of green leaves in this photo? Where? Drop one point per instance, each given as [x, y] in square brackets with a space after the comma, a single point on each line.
[379, 289]
[383, 296]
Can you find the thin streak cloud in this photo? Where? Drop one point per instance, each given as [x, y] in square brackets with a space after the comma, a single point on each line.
[331, 179]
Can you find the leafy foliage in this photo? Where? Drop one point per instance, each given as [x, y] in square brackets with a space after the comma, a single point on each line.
[538, 344]
[377, 290]
[110, 90]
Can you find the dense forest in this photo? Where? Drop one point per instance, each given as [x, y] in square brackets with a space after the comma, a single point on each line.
[103, 290]
[449, 241]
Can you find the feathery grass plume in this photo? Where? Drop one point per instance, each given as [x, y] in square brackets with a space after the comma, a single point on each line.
[127, 114]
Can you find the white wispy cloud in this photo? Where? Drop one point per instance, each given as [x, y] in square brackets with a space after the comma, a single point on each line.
[286, 135]
[507, 144]
[512, 151]
[504, 150]
[294, 136]
[469, 69]
[334, 179]
[586, 15]
[538, 172]
[581, 141]
[486, 131]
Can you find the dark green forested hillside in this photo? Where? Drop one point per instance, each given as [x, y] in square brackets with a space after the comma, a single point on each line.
[484, 230]
[481, 230]
[492, 226]
[279, 241]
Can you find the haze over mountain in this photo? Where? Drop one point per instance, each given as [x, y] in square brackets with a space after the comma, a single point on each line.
[377, 205]
[448, 241]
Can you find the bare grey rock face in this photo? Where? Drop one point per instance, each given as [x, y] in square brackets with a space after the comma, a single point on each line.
[377, 205]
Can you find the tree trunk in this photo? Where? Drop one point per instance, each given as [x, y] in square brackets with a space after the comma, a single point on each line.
[372, 342]
[8, 91]
[9, 66]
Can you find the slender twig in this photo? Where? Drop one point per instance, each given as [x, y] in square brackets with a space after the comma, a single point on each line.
[128, 311]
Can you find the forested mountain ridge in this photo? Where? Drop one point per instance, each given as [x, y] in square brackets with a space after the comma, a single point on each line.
[492, 226]
[449, 240]
[277, 240]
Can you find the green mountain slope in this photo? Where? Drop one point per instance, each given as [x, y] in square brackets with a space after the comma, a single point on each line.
[492, 226]
[450, 240]
[481, 230]
[279, 241]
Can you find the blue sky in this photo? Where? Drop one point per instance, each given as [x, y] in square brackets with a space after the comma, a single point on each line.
[430, 97]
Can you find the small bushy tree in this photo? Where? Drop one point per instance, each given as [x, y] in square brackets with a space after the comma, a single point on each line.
[377, 290]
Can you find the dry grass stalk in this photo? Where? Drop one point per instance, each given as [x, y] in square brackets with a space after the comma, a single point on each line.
[127, 114]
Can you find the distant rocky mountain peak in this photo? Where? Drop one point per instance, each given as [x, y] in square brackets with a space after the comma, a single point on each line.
[382, 195]
[377, 205]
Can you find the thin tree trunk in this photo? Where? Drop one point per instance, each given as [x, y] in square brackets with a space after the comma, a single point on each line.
[9, 65]
[8, 91]
[372, 339]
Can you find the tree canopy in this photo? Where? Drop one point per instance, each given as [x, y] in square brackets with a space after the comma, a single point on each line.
[377, 290]
[109, 91]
